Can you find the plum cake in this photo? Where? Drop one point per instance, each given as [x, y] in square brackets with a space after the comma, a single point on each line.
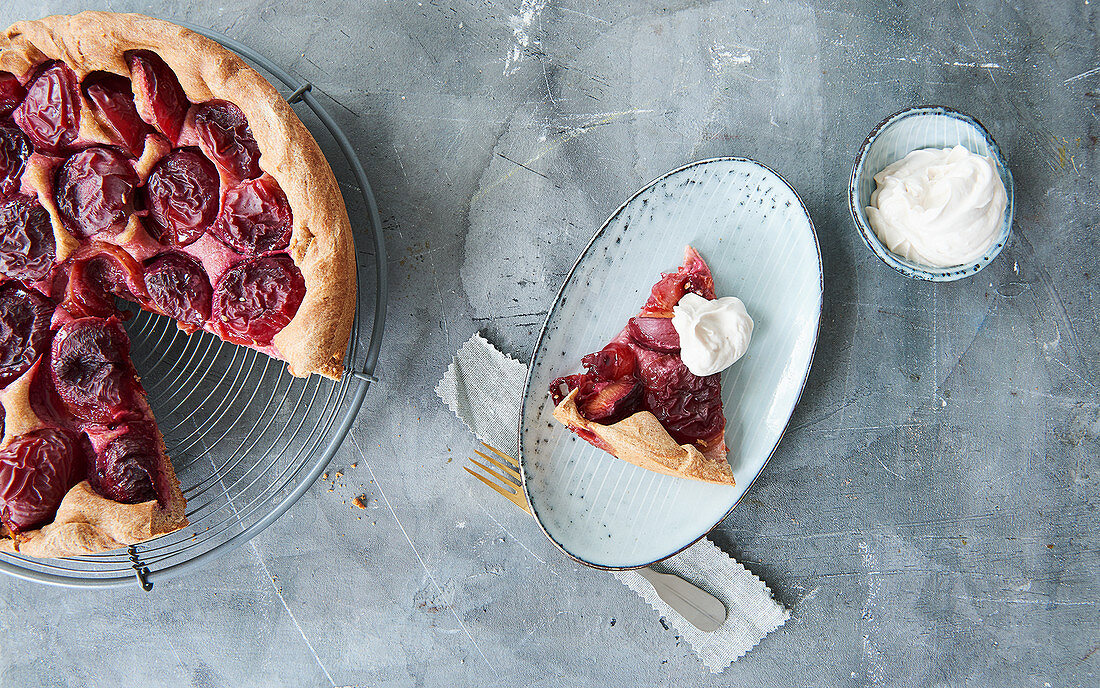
[141, 161]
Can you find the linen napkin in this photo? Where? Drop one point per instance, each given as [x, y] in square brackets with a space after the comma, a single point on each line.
[484, 388]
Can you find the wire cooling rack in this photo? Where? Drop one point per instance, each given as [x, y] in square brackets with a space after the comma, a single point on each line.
[247, 439]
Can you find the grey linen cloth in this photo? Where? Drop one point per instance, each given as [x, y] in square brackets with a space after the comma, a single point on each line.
[484, 388]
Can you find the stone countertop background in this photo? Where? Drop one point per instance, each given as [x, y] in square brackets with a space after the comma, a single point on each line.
[931, 516]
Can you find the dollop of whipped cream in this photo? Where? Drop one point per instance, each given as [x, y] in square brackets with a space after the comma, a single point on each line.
[713, 333]
[940, 207]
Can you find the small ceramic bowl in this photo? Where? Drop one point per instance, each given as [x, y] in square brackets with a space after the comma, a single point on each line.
[896, 137]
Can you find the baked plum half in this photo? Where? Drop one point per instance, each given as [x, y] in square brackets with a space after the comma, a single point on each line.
[27, 248]
[157, 90]
[179, 288]
[15, 148]
[609, 390]
[24, 329]
[688, 406]
[127, 461]
[50, 111]
[255, 217]
[92, 372]
[95, 192]
[36, 470]
[655, 334]
[256, 298]
[182, 196]
[112, 97]
[98, 273]
[11, 93]
[227, 139]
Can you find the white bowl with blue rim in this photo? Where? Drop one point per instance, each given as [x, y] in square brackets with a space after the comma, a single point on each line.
[901, 134]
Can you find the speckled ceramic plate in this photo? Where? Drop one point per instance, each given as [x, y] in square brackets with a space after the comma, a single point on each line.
[754, 232]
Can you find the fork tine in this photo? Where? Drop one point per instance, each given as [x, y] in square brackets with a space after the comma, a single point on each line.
[506, 482]
[488, 482]
[502, 455]
[510, 471]
[514, 497]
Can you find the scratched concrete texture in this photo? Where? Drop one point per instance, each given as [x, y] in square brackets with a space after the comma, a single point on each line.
[931, 516]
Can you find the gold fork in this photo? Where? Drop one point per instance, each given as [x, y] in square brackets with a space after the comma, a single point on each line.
[507, 486]
[705, 611]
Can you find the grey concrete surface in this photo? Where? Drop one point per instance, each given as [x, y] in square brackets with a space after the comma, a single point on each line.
[931, 516]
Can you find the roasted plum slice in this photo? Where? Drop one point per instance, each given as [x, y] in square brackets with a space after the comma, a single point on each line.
[693, 276]
[161, 99]
[127, 460]
[227, 139]
[50, 112]
[255, 217]
[26, 239]
[610, 402]
[24, 329]
[182, 196]
[92, 372]
[256, 298]
[688, 406]
[36, 470]
[95, 192]
[655, 334]
[179, 288]
[11, 93]
[609, 391]
[113, 98]
[614, 361]
[599, 401]
[96, 273]
[14, 151]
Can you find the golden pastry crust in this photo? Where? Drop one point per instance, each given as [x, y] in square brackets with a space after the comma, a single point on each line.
[321, 243]
[643, 441]
[87, 523]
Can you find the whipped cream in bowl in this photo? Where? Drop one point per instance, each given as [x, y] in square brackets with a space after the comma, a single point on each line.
[938, 206]
[931, 194]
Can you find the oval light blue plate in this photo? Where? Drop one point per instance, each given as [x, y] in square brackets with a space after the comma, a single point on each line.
[754, 232]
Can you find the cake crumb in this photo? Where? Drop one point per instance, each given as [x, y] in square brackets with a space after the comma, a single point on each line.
[360, 501]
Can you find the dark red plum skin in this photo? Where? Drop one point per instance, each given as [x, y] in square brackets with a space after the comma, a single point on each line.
[95, 192]
[11, 93]
[179, 288]
[257, 298]
[126, 468]
[50, 112]
[182, 196]
[157, 84]
[97, 274]
[36, 470]
[27, 247]
[112, 98]
[227, 139]
[255, 217]
[15, 148]
[92, 372]
[24, 329]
